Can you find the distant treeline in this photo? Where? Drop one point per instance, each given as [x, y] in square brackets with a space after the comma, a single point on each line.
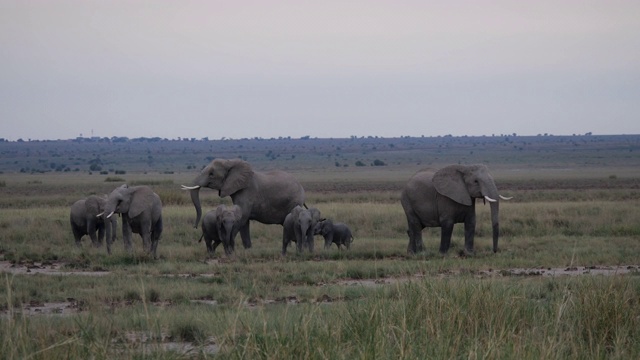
[114, 155]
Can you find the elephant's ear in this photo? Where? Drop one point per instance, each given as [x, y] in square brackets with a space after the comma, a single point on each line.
[219, 211]
[238, 175]
[449, 181]
[315, 214]
[295, 212]
[142, 199]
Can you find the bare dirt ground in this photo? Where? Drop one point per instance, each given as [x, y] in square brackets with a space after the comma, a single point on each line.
[73, 306]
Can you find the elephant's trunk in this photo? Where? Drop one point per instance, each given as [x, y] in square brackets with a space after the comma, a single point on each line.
[107, 226]
[195, 197]
[495, 224]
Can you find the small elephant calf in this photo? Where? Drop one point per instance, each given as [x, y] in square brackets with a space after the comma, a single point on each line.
[298, 227]
[337, 233]
[221, 226]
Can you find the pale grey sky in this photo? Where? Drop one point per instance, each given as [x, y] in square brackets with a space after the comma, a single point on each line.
[331, 68]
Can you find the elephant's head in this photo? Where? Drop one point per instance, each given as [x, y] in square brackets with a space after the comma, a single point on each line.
[128, 200]
[226, 176]
[324, 227]
[463, 184]
[226, 218]
[304, 221]
[95, 204]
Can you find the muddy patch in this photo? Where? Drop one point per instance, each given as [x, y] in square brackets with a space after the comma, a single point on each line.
[46, 268]
[147, 343]
[568, 271]
[545, 272]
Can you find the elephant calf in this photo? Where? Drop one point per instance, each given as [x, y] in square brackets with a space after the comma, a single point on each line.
[337, 233]
[221, 226]
[84, 221]
[298, 227]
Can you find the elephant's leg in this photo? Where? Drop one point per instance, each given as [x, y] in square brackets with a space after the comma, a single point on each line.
[215, 246]
[91, 229]
[246, 236]
[77, 235]
[228, 248]
[154, 245]
[210, 248]
[445, 236]
[415, 235]
[415, 240]
[156, 231]
[146, 240]
[310, 242]
[126, 235]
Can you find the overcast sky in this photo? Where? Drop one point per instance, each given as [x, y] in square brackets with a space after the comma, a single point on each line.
[330, 68]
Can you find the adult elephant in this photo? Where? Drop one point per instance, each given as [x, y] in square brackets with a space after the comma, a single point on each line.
[84, 221]
[446, 197]
[266, 197]
[141, 211]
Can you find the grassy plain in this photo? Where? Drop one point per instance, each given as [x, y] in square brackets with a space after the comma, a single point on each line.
[375, 301]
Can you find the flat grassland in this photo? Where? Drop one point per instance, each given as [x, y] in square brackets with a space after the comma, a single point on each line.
[565, 283]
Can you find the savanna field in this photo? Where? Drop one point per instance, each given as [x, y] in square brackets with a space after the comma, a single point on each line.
[565, 282]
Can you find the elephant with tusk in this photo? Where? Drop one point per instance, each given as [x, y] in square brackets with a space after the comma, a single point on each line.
[267, 197]
[446, 197]
[141, 211]
[86, 219]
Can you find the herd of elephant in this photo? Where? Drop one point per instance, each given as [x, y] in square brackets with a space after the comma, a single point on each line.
[431, 198]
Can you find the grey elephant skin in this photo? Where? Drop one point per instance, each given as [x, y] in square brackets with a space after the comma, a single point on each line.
[334, 233]
[220, 226]
[141, 211]
[266, 197]
[446, 197]
[298, 227]
[84, 221]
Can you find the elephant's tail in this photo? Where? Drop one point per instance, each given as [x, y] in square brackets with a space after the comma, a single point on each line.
[201, 236]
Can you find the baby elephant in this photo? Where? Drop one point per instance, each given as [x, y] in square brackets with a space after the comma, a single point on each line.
[221, 226]
[298, 227]
[337, 233]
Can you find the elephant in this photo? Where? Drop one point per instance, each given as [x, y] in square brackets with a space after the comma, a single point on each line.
[266, 197]
[220, 226]
[337, 233]
[298, 227]
[141, 211]
[85, 222]
[446, 197]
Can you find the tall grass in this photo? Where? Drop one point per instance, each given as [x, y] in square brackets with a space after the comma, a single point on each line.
[453, 318]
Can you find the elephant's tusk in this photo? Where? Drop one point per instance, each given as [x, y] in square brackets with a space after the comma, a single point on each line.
[99, 215]
[108, 216]
[490, 199]
[190, 187]
[505, 198]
